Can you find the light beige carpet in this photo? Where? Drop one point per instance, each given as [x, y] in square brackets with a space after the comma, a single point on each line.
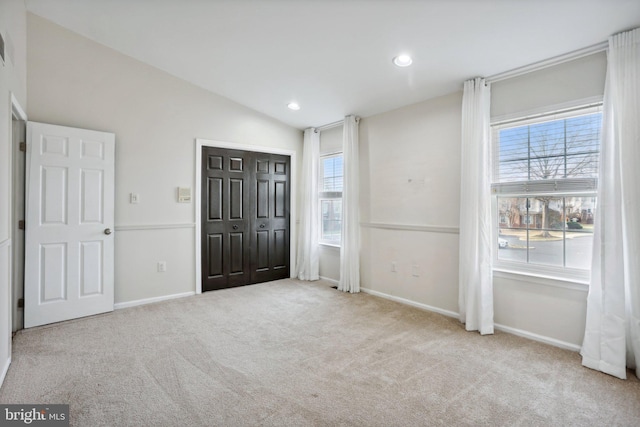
[291, 353]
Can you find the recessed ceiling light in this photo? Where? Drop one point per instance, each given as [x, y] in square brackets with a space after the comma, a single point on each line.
[402, 60]
[293, 106]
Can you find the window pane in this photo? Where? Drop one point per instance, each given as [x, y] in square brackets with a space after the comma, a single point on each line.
[512, 229]
[553, 149]
[331, 227]
[554, 231]
[332, 175]
[583, 145]
[546, 234]
[546, 150]
[579, 237]
[327, 174]
[513, 154]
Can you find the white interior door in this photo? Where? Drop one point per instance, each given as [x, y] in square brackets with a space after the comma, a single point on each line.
[69, 223]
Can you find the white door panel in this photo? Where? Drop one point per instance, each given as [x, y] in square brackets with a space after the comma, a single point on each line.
[69, 217]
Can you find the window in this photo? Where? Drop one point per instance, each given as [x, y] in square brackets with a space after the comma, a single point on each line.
[330, 192]
[544, 184]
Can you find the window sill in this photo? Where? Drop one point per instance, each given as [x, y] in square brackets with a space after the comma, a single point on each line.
[331, 246]
[573, 283]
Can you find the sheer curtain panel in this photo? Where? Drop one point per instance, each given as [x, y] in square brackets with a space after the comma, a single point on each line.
[475, 297]
[350, 248]
[612, 333]
[308, 256]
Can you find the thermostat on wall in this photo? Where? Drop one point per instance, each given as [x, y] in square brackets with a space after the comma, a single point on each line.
[184, 195]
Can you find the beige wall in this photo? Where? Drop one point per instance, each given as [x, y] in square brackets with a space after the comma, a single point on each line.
[331, 140]
[560, 85]
[410, 175]
[76, 82]
[12, 82]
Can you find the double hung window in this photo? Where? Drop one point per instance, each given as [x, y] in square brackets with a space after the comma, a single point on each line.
[330, 194]
[545, 172]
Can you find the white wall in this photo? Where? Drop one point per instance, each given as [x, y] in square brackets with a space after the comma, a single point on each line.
[410, 177]
[410, 173]
[330, 142]
[12, 82]
[560, 85]
[76, 82]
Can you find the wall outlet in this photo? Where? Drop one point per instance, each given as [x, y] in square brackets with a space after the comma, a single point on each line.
[394, 266]
[134, 198]
[162, 266]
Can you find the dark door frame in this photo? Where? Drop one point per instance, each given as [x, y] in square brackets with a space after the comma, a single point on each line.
[198, 202]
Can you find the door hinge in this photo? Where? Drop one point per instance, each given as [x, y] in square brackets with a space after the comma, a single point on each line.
[23, 146]
[21, 303]
[21, 224]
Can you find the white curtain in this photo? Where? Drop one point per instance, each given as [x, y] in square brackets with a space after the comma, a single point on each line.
[612, 334]
[308, 256]
[350, 248]
[475, 298]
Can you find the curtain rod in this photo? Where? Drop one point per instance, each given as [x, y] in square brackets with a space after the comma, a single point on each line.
[330, 126]
[334, 125]
[556, 60]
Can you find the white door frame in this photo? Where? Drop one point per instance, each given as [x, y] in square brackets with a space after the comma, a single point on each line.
[17, 196]
[7, 300]
[293, 224]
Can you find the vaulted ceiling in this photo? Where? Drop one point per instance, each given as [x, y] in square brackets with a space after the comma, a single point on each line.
[334, 57]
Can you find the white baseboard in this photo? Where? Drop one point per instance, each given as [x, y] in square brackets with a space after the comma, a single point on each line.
[535, 337]
[5, 369]
[335, 282]
[519, 332]
[144, 301]
[411, 303]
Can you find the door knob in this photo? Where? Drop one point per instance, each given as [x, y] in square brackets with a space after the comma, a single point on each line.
[107, 231]
[261, 225]
[235, 227]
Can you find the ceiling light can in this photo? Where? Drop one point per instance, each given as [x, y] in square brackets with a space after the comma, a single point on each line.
[402, 60]
[293, 106]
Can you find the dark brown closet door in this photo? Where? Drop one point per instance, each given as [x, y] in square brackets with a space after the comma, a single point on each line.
[270, 225]
[225, 221]
[245, 217]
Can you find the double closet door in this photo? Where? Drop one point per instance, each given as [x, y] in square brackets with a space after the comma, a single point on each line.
[245, 217]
